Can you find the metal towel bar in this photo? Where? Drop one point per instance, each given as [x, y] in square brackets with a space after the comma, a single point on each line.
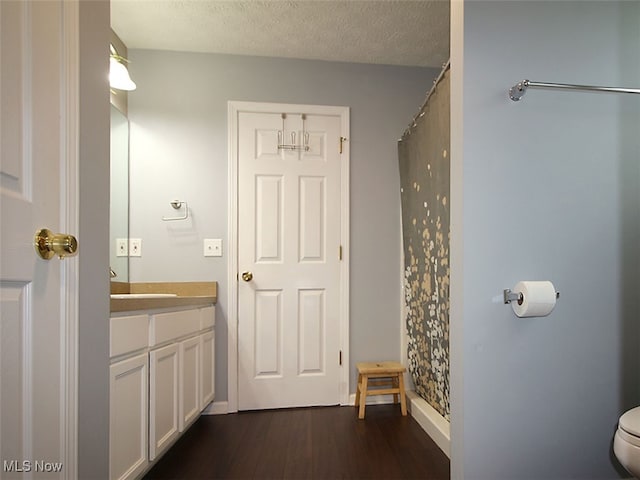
[178, 204]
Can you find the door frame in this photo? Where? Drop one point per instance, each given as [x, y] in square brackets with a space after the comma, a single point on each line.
[234, 109]
[70, 222]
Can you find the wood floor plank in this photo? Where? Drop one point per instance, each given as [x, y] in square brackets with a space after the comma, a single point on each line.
[323, 443]
[299, 448]
[244, 462]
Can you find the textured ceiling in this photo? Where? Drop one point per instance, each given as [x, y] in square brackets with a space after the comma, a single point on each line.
[363, 31]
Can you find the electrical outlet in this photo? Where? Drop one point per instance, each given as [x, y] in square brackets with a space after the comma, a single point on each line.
[212, 247]
[122, 247]
[135, 247]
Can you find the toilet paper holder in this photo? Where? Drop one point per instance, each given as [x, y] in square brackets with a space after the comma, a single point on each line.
[510, 296]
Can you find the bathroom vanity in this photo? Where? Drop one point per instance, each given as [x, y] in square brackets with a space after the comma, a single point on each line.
[161, 375]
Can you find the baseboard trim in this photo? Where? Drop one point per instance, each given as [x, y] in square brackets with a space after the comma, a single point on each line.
[216, 408]
[436, 426]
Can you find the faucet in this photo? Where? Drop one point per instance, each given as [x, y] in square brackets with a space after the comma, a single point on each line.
[112, 273]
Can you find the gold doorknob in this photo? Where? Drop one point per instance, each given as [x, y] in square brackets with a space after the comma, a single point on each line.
[49, 244]
[247, 276]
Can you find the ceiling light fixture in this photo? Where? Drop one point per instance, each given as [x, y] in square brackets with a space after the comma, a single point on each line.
[118, 73]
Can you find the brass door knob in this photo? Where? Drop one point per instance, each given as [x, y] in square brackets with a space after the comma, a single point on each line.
[49, 244]
[247, 276]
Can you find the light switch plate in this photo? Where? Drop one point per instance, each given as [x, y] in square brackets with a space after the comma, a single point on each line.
[135, 247]
[122, 247]
[212, 247]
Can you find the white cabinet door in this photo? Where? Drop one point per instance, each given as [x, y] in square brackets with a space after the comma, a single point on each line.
[164, 398]
[207, 384]
[190, 359]
[128, 382]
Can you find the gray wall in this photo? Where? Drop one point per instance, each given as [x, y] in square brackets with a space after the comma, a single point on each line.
[546, 188]
[93, 238]
[178, 120]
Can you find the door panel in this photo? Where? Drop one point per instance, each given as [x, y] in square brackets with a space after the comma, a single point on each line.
[312, 203]
[268, 332]
[312, 327]
[289, 238]
[269, 211]
[35, 93]
[13, 315]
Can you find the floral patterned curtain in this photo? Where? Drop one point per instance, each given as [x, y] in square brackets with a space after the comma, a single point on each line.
[423, 154]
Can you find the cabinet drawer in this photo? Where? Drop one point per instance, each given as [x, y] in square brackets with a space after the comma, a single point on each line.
[172, 325]
[128, 334]
[207, 317]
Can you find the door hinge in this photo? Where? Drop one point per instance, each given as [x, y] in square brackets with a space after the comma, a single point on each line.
[342, 140]
[340, 359]
[340, 253]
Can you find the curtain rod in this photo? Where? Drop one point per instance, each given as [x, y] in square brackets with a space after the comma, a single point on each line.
[420, 113]
[518, 90]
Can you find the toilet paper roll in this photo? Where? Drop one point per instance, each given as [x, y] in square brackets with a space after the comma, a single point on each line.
[539, 299]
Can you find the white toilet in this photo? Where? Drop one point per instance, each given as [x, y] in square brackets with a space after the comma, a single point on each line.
[626, 443]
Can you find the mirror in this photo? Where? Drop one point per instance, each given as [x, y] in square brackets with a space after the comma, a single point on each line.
[119, 216]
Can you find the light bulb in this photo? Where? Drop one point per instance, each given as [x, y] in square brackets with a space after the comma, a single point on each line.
[119, 76]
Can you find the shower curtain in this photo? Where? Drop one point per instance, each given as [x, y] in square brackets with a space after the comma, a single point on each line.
[423, 155]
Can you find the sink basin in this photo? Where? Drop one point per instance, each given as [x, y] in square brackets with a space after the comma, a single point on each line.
[142, 295]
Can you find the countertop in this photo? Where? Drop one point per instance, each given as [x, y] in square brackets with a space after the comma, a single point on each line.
[190, 294]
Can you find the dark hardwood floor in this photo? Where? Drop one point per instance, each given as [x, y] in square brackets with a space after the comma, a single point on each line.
[307, 443]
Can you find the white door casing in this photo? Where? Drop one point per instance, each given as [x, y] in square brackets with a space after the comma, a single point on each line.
[38, 188]
[291, 226]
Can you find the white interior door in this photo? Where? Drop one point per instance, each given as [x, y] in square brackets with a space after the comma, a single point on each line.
[289, 244]
[35, 421]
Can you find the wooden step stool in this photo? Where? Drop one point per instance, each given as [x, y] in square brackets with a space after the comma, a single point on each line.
[382, 374]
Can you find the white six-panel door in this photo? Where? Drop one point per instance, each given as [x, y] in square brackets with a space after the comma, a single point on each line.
[289, 255]
[38, 88]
